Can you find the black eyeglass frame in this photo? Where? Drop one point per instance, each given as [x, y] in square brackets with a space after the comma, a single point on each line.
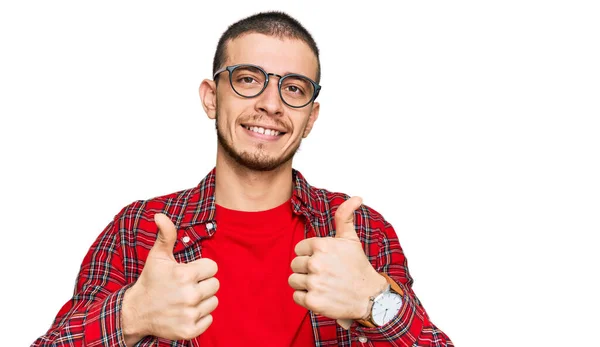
[230, 69]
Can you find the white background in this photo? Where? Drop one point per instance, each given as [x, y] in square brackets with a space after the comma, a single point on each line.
[471, 126]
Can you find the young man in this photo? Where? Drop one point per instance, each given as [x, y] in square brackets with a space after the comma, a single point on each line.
[291, 265]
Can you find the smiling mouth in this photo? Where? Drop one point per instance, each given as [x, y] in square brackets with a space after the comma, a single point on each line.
[264, 131]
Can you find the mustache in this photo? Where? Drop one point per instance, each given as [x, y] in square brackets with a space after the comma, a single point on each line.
[266, 120]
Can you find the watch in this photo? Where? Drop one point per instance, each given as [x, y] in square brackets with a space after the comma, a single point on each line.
[385, 306]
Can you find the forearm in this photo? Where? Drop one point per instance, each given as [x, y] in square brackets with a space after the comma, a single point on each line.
[81, 323]
[411, 327]
[93, 315]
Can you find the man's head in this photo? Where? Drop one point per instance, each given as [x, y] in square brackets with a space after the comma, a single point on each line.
[276, 24]
[262, 118]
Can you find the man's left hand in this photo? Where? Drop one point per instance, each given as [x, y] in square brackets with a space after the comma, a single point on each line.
[332, 275]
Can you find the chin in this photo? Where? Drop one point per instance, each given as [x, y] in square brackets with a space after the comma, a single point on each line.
[255, 159]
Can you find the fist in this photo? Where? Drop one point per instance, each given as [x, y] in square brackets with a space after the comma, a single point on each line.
[169, 299]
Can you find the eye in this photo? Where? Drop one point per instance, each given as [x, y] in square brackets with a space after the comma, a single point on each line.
[293, 89]
[297, 87]
[247, 77]
[247, 80]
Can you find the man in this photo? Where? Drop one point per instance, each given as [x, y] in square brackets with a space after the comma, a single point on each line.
[290, 264]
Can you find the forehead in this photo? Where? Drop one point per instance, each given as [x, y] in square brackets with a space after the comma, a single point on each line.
[274, 54]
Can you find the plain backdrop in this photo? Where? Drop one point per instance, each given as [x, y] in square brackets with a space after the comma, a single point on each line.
[472, 126]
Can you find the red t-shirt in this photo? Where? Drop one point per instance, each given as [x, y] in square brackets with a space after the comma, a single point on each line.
[253, 251]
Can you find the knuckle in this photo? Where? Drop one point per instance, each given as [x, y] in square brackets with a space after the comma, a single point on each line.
[314, 284]
[313, 264]
[210, 287]
[207, 288]
[311, 283]
[311, 301]
[201, 295]
[321, 244]
[189, 316]
[189, 332]
[317, 245]
[187, 295]
[209, 305]
[209, 265]
[206, 322]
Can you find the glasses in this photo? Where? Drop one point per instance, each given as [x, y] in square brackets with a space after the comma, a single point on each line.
[250, 81]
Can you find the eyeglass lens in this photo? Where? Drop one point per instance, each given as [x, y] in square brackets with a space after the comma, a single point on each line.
[250, 81]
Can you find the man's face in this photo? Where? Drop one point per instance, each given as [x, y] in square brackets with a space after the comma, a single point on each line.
[262, 133]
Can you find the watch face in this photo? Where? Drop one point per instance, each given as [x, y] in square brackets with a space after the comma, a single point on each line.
[386, 307]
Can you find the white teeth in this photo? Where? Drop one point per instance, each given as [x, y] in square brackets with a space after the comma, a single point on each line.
[264, 131]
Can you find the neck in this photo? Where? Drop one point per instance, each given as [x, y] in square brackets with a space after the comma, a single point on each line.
[239, 188]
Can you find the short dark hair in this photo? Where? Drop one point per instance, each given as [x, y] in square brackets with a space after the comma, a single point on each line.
[272, 23]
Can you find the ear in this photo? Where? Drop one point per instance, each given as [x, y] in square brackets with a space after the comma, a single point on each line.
[208, 96]
[314, 114]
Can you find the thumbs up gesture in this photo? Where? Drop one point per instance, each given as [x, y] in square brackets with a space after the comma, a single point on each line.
[332, 275]
[169, 299]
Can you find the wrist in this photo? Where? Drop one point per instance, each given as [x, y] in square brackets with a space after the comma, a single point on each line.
[377, 286]
[385, 306]
[132, 323]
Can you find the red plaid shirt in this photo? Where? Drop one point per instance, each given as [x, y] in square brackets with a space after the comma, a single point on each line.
[116, 259]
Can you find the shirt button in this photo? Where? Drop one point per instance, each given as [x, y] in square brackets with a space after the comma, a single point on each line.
[186, 239]
[362, 339]
[209, 226]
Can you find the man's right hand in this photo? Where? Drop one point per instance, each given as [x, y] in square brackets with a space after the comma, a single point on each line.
[169, 299]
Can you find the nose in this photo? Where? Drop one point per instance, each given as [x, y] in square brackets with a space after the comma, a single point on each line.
[269, 101]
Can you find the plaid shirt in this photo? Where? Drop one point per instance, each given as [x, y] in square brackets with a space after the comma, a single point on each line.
[113, 263]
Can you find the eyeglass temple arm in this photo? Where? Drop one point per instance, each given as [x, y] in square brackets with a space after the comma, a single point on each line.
[218, 72]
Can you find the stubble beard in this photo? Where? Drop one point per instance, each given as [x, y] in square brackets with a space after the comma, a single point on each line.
[257, 160]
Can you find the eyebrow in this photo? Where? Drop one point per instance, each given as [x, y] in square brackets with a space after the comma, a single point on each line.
[285, 73]
[296, 73]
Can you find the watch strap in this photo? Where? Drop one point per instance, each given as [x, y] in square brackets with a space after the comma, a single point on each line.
[393, 285]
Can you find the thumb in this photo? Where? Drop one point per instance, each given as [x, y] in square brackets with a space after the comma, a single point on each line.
[344, 218]
[167, 235]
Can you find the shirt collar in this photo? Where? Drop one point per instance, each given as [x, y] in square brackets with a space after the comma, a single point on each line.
[199, 204]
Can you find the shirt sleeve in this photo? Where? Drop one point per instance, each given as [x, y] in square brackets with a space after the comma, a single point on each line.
[92, 316]
[411, 327]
